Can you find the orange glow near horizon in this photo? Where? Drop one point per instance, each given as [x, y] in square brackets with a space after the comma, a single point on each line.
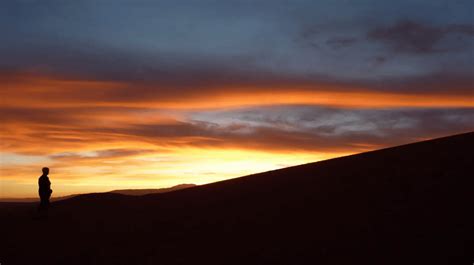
[189, 165]
[103, 135]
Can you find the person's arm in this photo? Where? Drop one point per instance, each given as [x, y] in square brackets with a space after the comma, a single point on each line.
[49, 186]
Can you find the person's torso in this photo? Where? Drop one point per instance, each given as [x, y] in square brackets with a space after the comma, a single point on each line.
[44, 183]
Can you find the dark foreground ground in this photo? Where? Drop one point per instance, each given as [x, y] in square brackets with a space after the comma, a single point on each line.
[411, 204]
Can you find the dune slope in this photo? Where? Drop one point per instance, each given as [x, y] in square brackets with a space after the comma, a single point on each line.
[404, 205]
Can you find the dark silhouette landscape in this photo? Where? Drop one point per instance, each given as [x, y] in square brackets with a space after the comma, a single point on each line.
[410, 204]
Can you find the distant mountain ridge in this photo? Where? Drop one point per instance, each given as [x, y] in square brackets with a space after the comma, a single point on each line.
[139, 192]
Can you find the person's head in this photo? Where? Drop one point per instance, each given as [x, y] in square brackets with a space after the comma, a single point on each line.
[45, 171]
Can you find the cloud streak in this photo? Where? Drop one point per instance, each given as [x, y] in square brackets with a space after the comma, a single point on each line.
[62, 93]
[413, 37]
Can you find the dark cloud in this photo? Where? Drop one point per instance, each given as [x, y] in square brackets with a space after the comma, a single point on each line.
[341, 42]
[93, 61]
[445, 82]
[379, 60]
[415, 37]
[33, 116]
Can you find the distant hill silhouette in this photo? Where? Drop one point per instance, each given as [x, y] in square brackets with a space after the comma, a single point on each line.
[410, 204]
[135, 192]
[138, 192]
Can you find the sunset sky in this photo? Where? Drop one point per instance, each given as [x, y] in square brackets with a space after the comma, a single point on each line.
[150, 94]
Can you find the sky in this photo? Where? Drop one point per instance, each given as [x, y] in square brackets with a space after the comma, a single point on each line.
[150, 94]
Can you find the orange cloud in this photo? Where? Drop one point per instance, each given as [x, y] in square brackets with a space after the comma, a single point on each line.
[53, 92]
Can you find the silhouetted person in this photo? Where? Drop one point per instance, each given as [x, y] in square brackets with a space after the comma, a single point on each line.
[44, 189]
